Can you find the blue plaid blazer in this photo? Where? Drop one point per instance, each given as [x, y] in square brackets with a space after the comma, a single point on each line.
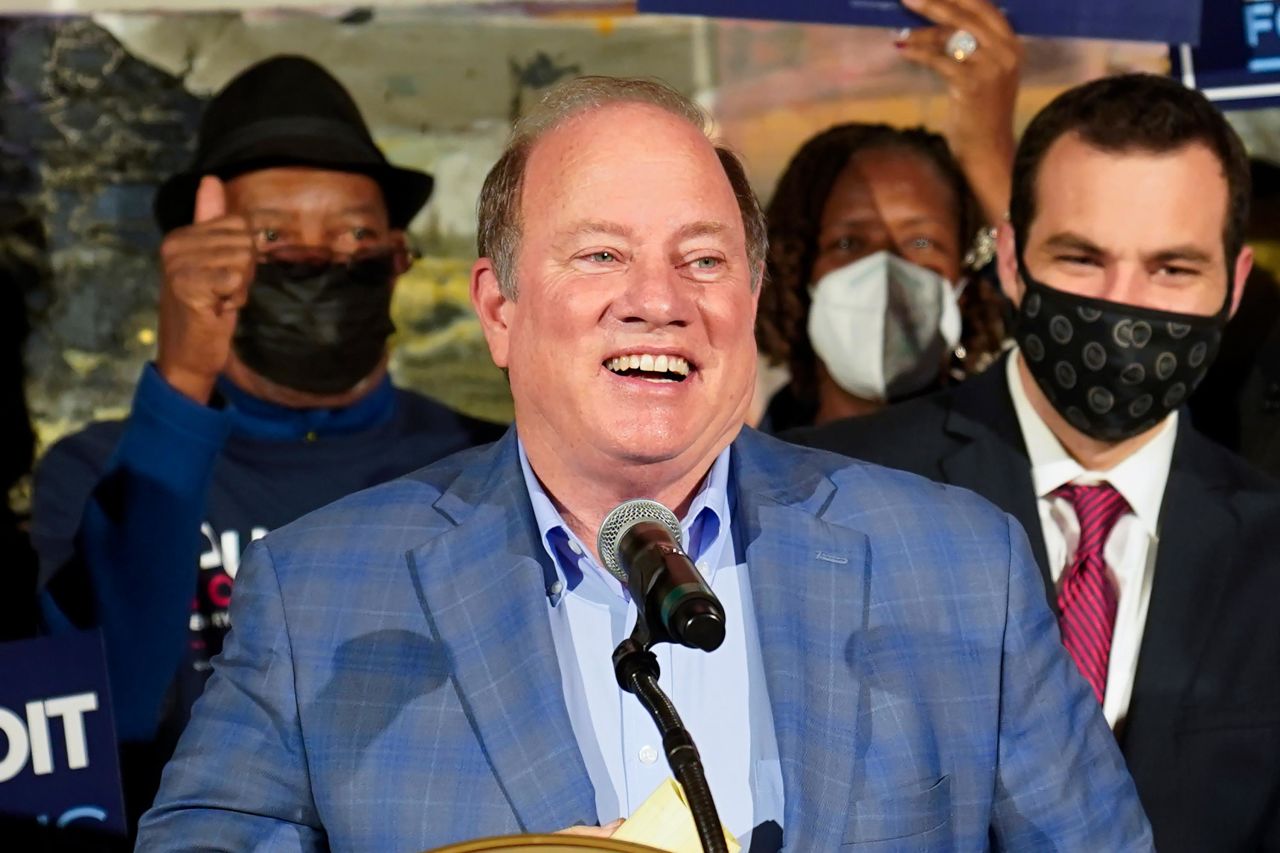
[391, 681]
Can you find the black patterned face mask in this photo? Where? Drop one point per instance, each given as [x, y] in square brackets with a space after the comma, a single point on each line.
[1112, 371]
[318, 327]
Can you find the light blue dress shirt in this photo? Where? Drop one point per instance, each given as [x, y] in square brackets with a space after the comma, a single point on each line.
[721, 696]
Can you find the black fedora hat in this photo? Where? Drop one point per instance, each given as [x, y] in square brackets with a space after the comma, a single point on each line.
[287, 111]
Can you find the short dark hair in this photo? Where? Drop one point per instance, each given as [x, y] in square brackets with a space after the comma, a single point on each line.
[1133, 112]
[794, 215]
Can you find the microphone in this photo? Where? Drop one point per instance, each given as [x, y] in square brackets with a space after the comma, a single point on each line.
[639, 543]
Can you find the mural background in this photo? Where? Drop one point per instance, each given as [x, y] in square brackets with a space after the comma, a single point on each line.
[97, 110]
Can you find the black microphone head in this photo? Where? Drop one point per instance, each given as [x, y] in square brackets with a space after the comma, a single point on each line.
[699, 624]
[621, 519]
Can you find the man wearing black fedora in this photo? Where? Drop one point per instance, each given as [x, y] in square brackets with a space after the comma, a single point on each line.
[268, 397]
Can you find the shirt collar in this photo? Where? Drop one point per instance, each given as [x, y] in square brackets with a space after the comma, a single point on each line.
[704, 524]
[1140, 478]
[254, 417]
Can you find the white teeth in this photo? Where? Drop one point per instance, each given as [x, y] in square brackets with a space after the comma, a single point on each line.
[649, 363]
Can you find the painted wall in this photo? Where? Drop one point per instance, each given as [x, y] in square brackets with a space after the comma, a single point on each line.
[97, 111]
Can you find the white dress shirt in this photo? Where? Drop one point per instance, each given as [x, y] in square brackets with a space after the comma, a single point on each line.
[1130, 550]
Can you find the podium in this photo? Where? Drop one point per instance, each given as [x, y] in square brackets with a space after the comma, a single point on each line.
[543, 844]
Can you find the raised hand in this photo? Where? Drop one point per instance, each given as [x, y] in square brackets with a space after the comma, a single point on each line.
[207, 268]
[982, 86]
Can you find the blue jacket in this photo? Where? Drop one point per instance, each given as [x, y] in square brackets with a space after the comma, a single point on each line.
[391, 682]
[139, 524]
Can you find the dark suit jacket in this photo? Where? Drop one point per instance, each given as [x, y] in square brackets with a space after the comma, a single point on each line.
[1238, 404]
[1202, 737]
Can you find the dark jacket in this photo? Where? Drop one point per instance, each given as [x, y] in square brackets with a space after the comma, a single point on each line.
[1202, 736]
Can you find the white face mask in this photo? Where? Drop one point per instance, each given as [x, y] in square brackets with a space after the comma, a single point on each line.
[882, 325]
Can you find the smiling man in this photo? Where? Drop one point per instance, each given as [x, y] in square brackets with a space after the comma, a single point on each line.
[1125, 257]
[429, 661]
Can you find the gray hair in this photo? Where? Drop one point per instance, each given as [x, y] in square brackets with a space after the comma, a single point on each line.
[498, 234]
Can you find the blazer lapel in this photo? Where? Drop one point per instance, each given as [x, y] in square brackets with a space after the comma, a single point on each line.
[808, 582]
[485, 596]
[991, 458]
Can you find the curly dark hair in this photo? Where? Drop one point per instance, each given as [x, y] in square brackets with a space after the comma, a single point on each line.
[795, 216]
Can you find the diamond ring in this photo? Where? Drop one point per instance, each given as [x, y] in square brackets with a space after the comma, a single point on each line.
[962, 45]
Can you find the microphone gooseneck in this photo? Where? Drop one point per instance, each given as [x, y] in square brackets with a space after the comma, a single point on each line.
[637, 672]
[639, 543]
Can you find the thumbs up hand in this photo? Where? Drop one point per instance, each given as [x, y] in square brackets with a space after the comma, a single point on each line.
[207, 268]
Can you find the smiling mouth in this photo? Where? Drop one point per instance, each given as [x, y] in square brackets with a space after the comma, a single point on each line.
[654, 368]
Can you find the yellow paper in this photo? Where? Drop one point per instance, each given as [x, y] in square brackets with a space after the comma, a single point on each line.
[664, 821]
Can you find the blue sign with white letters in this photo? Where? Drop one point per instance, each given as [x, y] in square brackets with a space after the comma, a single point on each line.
[1238, 61]
[1165, 21]
[58, 761]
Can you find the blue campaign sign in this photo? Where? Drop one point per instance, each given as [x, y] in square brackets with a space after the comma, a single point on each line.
[1238, 61]
[58, 760]
[1166, 21]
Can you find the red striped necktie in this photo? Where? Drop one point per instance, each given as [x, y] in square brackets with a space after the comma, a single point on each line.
[1087, 602]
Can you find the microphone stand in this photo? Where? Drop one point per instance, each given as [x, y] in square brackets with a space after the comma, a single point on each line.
[637, 672]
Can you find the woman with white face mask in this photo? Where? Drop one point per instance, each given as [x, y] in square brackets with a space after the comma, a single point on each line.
[868, 299]
[868, 231]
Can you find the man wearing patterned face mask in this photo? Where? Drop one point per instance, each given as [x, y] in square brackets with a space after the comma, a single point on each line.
[268, 397]
[1124, 257]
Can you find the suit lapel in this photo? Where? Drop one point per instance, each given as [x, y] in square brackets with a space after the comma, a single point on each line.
[1197, 530]
[991, 458]
[485, 597]
[808, 582]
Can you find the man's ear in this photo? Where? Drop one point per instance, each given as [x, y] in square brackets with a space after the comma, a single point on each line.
[493, 308]
[1007, 263]
[1244, 265]
[401, 256]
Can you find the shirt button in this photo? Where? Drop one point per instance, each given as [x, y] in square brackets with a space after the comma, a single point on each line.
[575, 547]
[648, 754]
[556, 587]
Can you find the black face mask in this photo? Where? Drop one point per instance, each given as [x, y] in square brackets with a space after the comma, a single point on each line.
[317, 327]
[1112, 371]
